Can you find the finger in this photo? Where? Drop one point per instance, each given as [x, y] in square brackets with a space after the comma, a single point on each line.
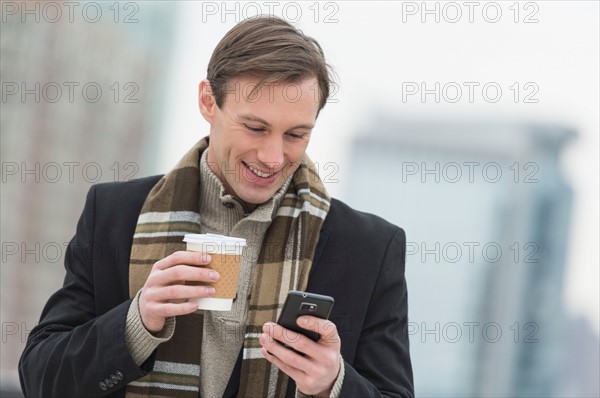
[179, 273]
[166, 310]
[285, 336]
[319, 352]
[285, 355]
[183, 257]
[295, 374]
[178, 292]
[288, 337]
[320, 363]
[324, 327]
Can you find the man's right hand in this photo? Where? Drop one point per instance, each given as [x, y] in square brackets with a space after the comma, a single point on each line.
[165, 291]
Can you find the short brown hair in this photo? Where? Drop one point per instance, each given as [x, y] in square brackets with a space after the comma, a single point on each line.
[271, 49]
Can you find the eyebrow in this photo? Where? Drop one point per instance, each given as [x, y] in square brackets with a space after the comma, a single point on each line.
[252, 118]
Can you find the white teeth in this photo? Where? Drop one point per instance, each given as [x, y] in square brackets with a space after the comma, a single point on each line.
[258, 173]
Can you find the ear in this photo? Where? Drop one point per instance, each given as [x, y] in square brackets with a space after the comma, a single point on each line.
[206, 101]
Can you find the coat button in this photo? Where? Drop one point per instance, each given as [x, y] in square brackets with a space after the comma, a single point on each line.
[103, 386]
[229, 205]
[119, 375]
[109, 382]
[114, 379]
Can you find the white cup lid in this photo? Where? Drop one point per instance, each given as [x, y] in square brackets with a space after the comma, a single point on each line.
[214, 304]
[214, 238]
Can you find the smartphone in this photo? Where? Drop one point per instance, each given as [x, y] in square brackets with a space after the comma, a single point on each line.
[299, 303]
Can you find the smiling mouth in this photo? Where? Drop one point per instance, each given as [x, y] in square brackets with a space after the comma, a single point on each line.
[259, 173]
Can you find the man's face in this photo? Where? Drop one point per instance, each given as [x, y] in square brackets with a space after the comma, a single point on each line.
[256, 143]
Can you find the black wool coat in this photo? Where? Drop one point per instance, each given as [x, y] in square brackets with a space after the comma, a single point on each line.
[79, 341]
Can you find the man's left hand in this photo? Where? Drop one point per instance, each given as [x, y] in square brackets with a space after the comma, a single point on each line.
[314, 373]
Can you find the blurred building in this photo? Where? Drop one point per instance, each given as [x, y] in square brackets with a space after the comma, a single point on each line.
[581, 365]
[82, 99]
[486, 211]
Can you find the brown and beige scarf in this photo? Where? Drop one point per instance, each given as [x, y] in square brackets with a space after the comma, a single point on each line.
[170, 211]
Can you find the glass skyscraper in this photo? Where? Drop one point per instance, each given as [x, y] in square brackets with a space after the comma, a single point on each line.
[82, 100]
[486, 212]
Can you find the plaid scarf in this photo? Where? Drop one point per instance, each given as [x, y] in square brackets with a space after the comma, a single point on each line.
[170, 211]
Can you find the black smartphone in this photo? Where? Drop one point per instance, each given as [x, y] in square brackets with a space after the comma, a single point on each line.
[299, 303]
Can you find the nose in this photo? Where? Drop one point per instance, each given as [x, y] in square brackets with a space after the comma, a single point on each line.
[270, 153]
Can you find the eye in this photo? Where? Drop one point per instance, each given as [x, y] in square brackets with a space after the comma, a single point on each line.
[255, 129]
[296, 136]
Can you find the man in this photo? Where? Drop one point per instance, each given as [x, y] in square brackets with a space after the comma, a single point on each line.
[122, 326]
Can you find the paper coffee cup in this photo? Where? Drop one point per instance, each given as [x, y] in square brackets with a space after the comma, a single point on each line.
[226, 257]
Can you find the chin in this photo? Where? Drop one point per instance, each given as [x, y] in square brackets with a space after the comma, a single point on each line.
[255, 198]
